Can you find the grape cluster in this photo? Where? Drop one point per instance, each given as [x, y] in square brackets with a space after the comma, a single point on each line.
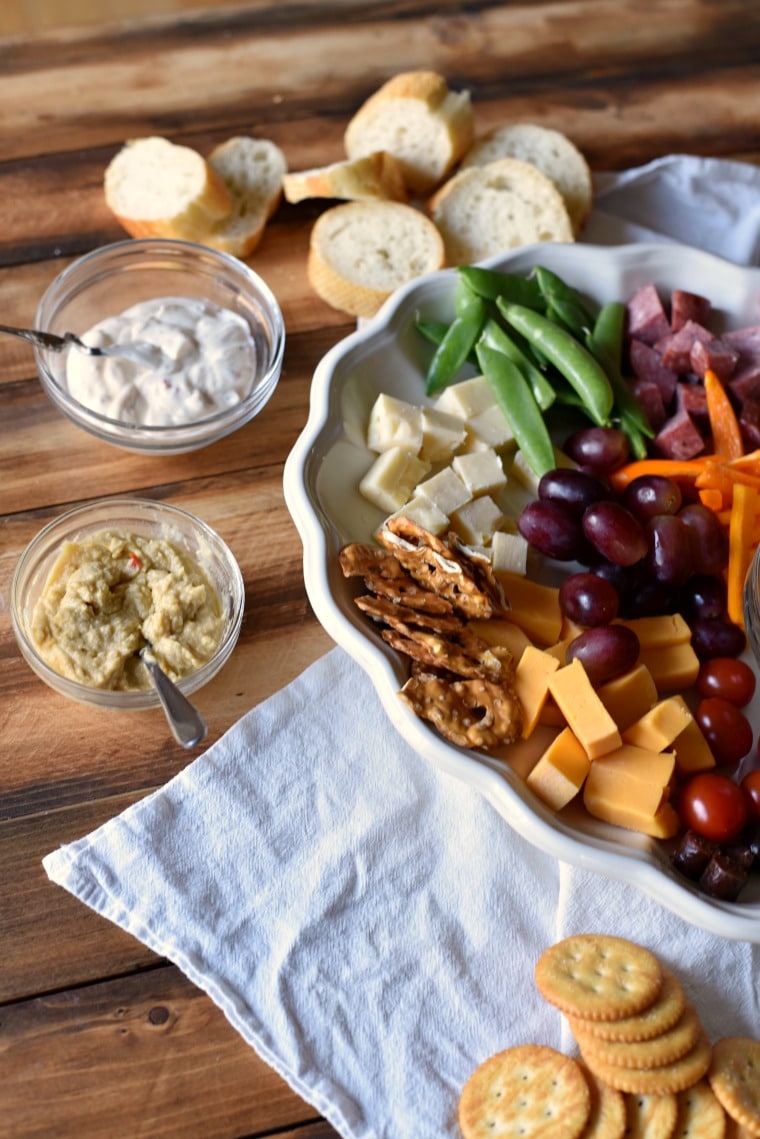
[645, 551]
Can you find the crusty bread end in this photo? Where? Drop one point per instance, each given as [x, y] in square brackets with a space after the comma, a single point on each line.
[252, 170]
[375, 175]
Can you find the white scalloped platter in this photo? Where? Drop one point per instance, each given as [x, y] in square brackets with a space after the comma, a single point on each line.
[321, 480]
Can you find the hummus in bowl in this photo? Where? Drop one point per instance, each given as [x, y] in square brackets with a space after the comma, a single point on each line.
[107, 579]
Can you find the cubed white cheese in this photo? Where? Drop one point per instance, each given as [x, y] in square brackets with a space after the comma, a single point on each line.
[467, 398]
[446, 489]
[394, 423]
[425, 513]
[477, 520]
[442, 434]
[482, 472]
[525, 474]
[389, 481]
[490, 428]
[509, 552]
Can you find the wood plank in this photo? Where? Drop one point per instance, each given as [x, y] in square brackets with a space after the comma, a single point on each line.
[143, 1055]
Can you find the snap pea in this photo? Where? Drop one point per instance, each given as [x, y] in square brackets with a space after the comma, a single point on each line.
[566, 301]
[457, 344]
[515, 398]
[432, 330]
[572, 359]
[494, 336]
[491, 284]
[606, 343]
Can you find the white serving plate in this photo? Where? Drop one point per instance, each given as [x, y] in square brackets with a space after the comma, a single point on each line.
[320, 482]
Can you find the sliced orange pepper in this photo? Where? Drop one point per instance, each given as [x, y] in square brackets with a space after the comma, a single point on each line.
[741, 543]
[672, 468]
[724, 422]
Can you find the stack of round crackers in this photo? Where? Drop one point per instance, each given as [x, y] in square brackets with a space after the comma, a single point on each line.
[646, 1070]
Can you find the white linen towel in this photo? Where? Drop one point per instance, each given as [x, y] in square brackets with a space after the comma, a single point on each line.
[368, 924]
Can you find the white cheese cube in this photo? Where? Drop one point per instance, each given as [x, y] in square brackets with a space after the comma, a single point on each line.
[467, 398]
[389, 481]
[425, 513]
[482, 472]
[490, 427]
[394, 423]
[477, 520]
[445, 489]
[442, 434]
[509, 552]
[525, 474]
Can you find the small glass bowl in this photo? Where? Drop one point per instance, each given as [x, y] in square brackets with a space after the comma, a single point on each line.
[137, 516]
[110, 280]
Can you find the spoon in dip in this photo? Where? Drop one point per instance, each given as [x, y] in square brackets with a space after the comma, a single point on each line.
[149, 355]
[187, 724]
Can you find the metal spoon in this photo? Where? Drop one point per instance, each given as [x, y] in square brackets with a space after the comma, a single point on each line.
[149, 355]
[187, 724]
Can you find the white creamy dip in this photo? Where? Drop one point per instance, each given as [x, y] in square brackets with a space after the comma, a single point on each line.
[209, 363]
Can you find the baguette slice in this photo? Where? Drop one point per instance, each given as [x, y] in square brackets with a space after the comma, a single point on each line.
[252, 170]
[554, 155]
[157, 188]
[360, 252]
[376, 175]
[417, 119]
[485, 210]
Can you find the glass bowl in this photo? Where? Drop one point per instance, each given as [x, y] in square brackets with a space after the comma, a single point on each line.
[138, 516]
[109, 280]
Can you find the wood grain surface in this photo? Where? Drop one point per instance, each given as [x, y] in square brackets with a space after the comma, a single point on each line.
[98, 1037]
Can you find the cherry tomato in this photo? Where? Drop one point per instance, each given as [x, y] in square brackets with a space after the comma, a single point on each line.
[726, 729]
[727, 677]
[750, 785]
[714, 806]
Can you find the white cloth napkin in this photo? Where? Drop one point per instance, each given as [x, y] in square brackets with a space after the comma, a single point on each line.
[369, 925]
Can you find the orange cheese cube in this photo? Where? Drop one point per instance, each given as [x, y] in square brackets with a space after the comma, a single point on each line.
[559, 774]
[584, 712]
[659, 727]
[673, 667]
[664, 823]
[657, 632]
[629, 696]
[501, 632]
[523, 755]
[693, 752]
[532, 674]
[534, 607]
[550, 714]
[629, 788]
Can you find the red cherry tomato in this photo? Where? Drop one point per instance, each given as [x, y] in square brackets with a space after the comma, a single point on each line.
[750, 785]
[714, 806]
[727, 677]
[726, 729]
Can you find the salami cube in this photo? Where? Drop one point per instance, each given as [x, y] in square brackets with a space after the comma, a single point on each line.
[647, 319]
[685, 306]
[651, 402]
[716, 355]
[679, 438]
[675, 348]
[646, 364]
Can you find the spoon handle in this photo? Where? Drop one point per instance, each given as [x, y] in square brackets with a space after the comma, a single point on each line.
[34, 336]
[185, 721]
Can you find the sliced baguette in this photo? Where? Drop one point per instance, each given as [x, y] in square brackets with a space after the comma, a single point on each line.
[554, 155]
[416, 118]
[485, 210]
[376, 175]
[360, 252]
[252, 170]
[157, 188]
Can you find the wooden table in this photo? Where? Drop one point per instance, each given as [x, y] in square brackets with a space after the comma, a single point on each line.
[99, 1037]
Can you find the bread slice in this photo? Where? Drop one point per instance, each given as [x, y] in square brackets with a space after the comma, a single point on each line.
[376, 175]
[417, 119]
[157, 188]
[252, 170]
[485, 210]
[554, 155]
[360, 252]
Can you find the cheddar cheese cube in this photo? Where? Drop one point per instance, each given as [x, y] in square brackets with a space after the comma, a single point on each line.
[534, 607]
[693, 752]
[629, 787]
[661, 630]
[559, 774]
[501, 631]
[534, 668]
[629, 696]
[659, 727]
[584, 712]
[673, 667]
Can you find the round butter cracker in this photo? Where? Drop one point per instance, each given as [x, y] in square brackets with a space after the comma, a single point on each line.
[653, 1053]
[657, 1018]
[668, 1079]
[598, 977]
[734, 1077]
[526, 1091]
[607, 1118]
[650, 1116]
[700, 1115]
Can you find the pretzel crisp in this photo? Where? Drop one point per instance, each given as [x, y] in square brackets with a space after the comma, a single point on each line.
[474, 713]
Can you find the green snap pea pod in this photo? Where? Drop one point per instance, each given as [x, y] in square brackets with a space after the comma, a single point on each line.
[491, 283]
[568, 314]
[494, 336]
[513, 395]
[456, 346]
[432, 330]
[558, 294]
[606, 343]
[571, 358]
